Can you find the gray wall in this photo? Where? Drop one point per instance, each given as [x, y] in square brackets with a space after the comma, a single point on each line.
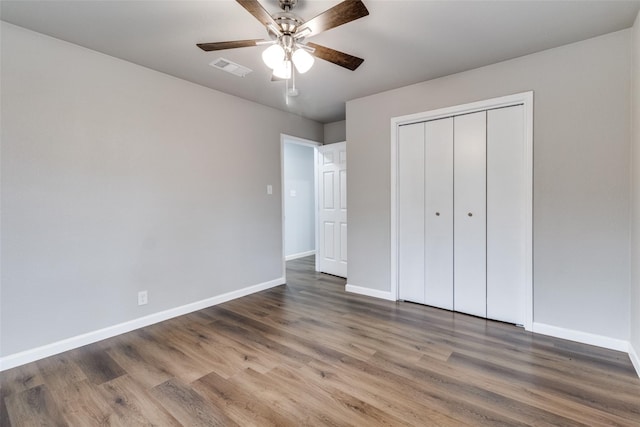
[116, 179]
[335, 132]
[635, 219]
[581, 176]
[299, 199]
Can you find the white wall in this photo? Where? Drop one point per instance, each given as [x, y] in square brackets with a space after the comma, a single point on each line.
[299, 200]
[335, 132]
[117, 178]
[581, 176]
[635, 218]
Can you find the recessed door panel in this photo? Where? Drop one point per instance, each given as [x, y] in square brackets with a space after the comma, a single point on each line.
[343, 189]
[411, 212]
[439, 213]
[328, 199]
[329, 241]
[470, 214]
[506, 219]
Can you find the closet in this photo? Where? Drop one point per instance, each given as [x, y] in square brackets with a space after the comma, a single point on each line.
[462, 221]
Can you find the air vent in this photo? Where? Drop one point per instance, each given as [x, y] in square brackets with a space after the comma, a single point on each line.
[230, 67]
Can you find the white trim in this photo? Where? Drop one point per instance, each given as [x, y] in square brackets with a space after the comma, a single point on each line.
[581, 337]
[299, 255]
[524, 98]
[369, 292]
[27, 356]
[635, 359]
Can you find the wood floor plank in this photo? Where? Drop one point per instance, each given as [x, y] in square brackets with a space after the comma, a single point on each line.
[15, 381]
[607, 400]
[96, 364]
[273, 391]
[472, 394]
[530, 394]
[240, 404]
[397, 399]
[81, 404]
[34, 407]
[148, 370]
[60, 371]
[152, 345]
[132, 405]
[189, 407]
[347, 409]
[308, 353]
[225, 355]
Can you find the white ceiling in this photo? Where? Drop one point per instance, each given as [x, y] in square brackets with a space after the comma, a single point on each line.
[402, 42]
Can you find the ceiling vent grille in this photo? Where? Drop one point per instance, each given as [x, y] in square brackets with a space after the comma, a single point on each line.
[230, 67]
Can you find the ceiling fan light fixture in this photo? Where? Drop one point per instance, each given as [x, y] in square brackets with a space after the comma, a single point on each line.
[302, 60]
[283, 70]
[273, 56]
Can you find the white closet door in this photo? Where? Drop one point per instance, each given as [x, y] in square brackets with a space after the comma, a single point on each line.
[506, 220]
[439, 213]
[470, 292]
[411, 212]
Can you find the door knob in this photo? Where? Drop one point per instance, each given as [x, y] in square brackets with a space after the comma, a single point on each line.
[437, 213]
[470, 214]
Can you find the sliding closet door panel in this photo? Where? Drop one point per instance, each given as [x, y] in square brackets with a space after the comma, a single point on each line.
[506, 204]
[439, 213]
[470, 214]
[411, 212]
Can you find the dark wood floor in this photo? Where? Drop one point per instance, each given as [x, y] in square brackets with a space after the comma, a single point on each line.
[310, 354]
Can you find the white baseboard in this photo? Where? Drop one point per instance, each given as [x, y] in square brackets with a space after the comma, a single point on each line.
[635, 359]
[581, 337]
[27, 356]
[369, 292]
[299, 255]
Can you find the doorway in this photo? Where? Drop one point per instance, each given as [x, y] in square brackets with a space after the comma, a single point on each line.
[299, 197]
[314, 203]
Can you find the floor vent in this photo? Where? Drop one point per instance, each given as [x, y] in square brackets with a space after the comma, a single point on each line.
[230, 67]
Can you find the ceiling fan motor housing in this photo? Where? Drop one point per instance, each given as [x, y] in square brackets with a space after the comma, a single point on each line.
[287, 5]
[288, 22]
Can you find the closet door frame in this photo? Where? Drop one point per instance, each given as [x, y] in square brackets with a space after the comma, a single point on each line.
[526, 100]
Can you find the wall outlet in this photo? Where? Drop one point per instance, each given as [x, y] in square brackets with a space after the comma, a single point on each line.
[142, 298]
[269, 189]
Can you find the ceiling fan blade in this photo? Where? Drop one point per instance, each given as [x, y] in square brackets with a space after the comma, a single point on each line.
[256, 9]
[347, 11]
[339, 58]
[207, 47]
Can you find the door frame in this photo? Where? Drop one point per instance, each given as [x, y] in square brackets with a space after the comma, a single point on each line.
[284, 138]
[523, 98]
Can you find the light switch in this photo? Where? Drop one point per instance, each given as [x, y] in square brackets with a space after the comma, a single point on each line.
[269, 189]
[293, 193]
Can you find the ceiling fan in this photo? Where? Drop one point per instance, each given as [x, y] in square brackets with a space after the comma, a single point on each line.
[287, 32]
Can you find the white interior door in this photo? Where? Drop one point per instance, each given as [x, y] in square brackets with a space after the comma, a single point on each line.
[332, 206]
[506, 215]
[470, 287]
[411, 193]
[438, 219]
